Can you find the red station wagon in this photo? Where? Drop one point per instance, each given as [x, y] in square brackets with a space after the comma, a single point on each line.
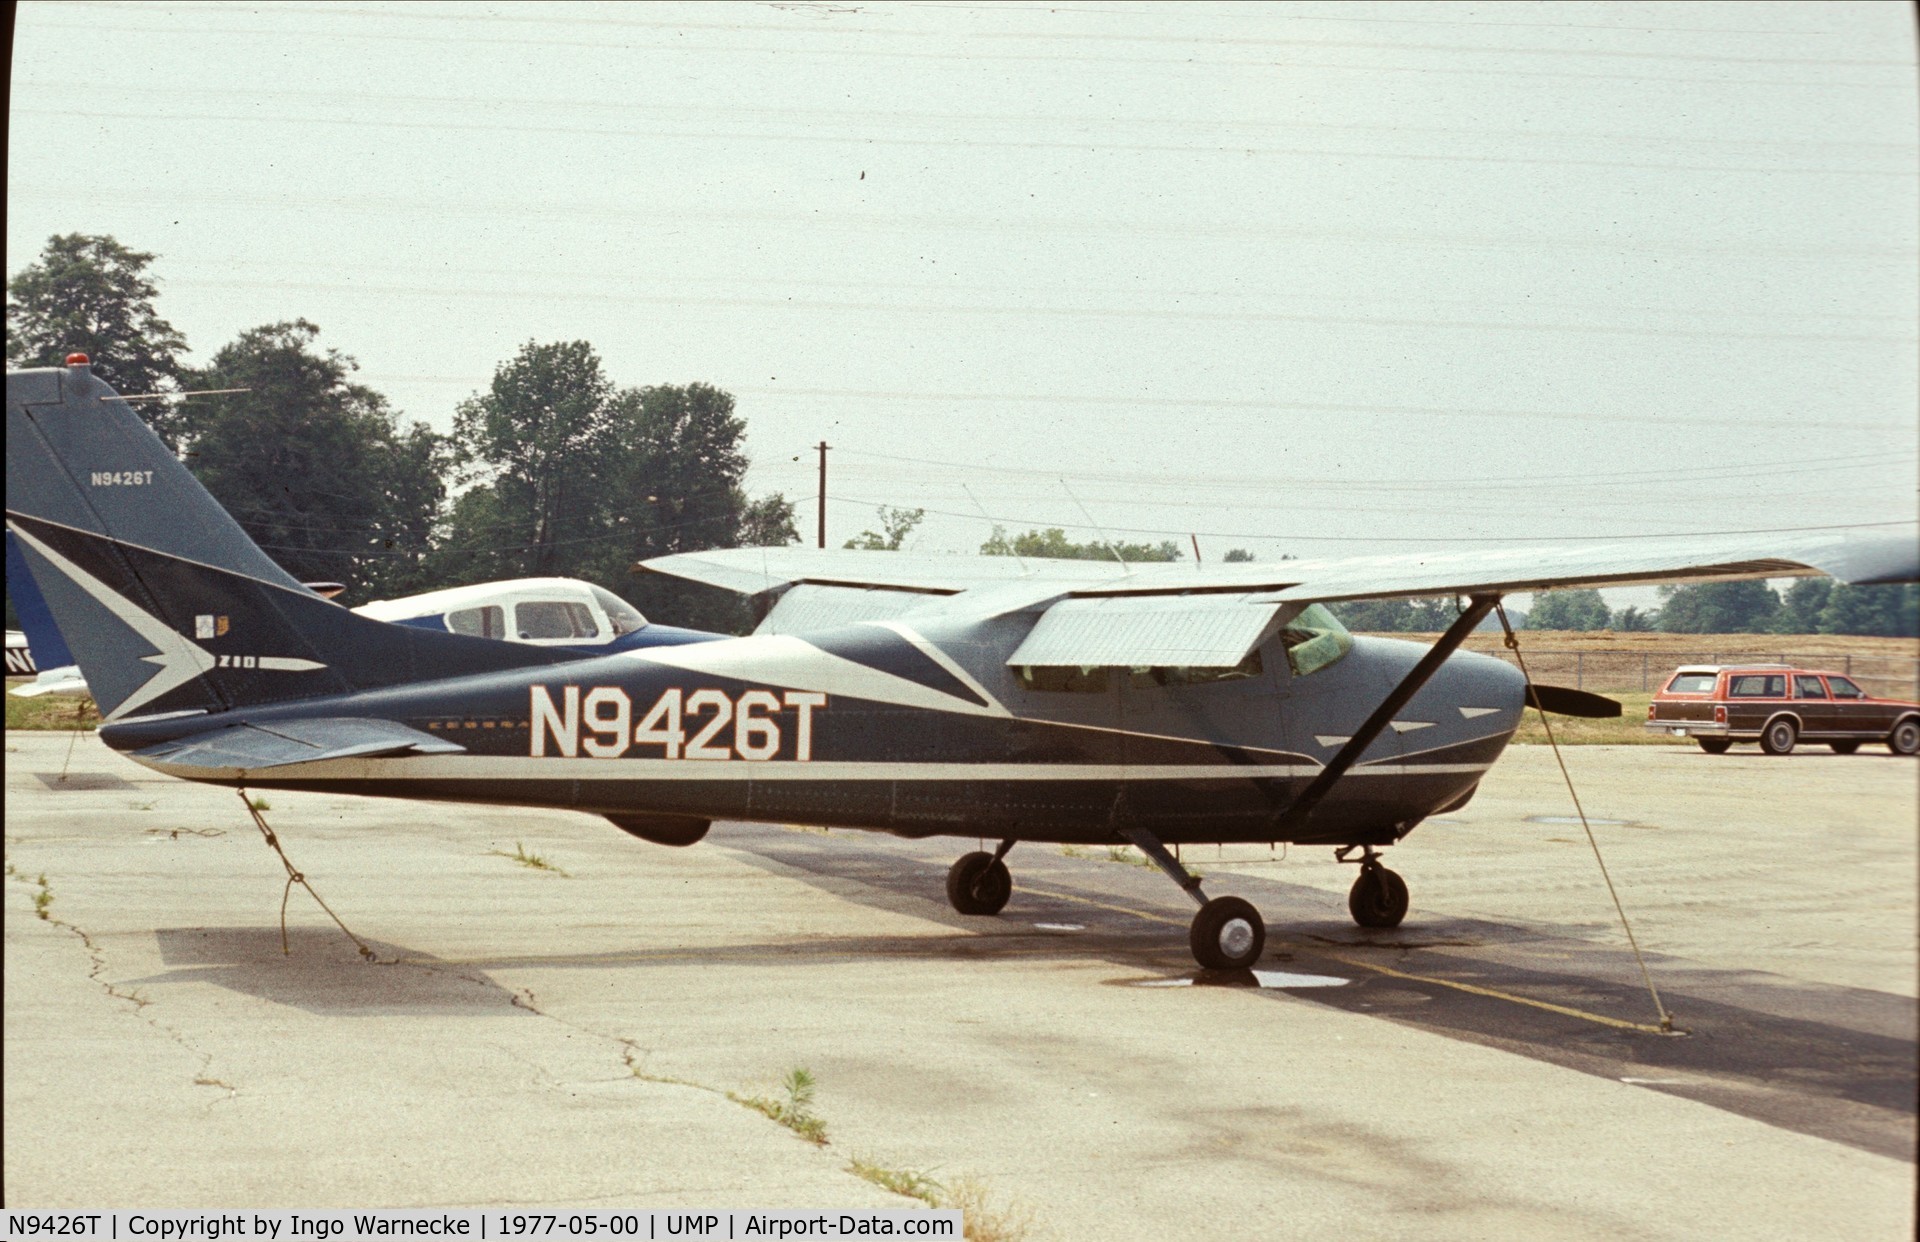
[1778, 706]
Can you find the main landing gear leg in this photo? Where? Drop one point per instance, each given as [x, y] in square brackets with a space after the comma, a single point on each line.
[980, 882]
[1228, 933]
[1379, 896]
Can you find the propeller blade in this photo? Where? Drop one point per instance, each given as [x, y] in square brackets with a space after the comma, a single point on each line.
[1565, 702]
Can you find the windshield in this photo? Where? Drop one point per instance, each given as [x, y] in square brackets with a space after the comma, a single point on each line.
[624, 617]
[1315, 639]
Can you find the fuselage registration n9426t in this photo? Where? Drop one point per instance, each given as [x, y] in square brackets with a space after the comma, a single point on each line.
[1023, 700]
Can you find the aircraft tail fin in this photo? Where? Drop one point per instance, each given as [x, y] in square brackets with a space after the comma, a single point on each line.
[165, 602]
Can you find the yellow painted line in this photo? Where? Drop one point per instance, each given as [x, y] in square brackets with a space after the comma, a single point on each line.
[1101, 905]
[1474, 988]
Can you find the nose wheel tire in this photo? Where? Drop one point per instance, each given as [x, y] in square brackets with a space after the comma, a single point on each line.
[1905, 738]
[1227, 934]
[1378, 898]
[1713, 745]
[1779, 737]
[979, 884]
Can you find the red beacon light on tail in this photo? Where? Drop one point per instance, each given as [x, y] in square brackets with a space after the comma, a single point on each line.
[78, 360]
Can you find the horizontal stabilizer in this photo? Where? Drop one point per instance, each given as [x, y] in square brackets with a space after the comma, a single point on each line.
[1564, 702]
[250, 747]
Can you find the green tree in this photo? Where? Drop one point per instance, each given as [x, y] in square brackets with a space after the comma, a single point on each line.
[1887, 611]
[92, 295]
[895, 526]
[571, 476]
[1568, 610]
[1237, 556]
[1631, 620]
[1419, 615]
[1054, 543]
[1801, 606]
[1746, 607]
[315, 467]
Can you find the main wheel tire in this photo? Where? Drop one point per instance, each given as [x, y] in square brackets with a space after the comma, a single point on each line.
[1779, 736]
[1227, 934]
[1378, 898]
[1714, 745]
[1844, 748]
[1905, 738]
[979, 884]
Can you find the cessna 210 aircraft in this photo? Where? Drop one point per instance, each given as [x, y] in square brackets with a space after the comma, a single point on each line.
[964, 696]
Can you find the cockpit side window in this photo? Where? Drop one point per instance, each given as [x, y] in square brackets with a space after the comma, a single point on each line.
[543, 618]
[624, 617]
[1315, 639]
[487, 622]
[1142, 677]
[1062, 678]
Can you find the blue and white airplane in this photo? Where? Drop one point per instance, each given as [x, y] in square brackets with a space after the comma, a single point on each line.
[1071, 702]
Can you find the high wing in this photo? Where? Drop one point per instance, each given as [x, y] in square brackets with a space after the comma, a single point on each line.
[1105, 613]
[1889, 553]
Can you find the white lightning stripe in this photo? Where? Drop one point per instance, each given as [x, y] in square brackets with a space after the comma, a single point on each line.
[287, 664]
[785, 661]
[521, 768]
[945, 661]
[1473, 713]
[1326, 739]
[180, 660]
[1408, 726]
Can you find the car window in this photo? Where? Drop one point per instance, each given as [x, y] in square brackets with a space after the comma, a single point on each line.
[541, 618]
[1758, 686]
[487, 622]
[1843, 688]
[1808, 688]
[1692, 683]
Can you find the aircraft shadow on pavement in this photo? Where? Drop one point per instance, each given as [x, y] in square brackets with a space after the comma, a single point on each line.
[323, 973]
[1822, 1059]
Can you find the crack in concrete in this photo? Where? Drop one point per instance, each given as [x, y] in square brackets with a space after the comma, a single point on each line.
[97, 972]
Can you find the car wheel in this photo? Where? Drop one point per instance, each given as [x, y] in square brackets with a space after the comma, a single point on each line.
[1844, 748]
[1714, 745]
[1779, 737]
[1905, 738]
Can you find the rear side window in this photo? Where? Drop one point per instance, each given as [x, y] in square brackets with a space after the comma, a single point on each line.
[487, 622]
[1808, 688]
[554, 619]
[1758, 686]
[1062, 678]
[1844, 688]
[1693, 683]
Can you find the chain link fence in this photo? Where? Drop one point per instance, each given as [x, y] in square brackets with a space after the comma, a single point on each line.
[1600, 669]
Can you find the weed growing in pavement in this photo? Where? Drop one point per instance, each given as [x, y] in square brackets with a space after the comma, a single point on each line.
[796, 1111]
[259, 804]
[909, 1182]
[43, 900]
[525, 859]
[986, 1223]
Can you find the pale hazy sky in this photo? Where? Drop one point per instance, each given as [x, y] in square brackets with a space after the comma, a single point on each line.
[1302, 277]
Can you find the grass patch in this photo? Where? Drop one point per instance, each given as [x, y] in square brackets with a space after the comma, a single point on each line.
[986, 1222]
[911, 1183]
[795, 1112]
[50, 713]
[259, 803]
[43, 900]
[1625, 730]
[521, 856]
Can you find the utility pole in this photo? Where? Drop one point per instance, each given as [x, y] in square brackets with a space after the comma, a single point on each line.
[823, 446]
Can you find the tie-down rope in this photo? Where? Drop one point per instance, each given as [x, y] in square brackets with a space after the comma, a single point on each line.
[1513, 645]
[294, 877]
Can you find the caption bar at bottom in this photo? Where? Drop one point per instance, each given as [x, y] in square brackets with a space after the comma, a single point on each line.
[689, 1226]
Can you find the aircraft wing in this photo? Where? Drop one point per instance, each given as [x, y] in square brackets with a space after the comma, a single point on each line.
[1882, 554]
[273, 744]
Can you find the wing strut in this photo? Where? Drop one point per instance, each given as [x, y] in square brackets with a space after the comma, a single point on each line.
[1301, 808]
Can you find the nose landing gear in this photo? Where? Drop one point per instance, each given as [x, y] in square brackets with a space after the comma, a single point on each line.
[1379, 896]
